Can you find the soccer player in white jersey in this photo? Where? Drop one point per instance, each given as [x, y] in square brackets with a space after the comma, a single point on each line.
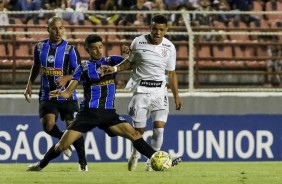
[151, 57]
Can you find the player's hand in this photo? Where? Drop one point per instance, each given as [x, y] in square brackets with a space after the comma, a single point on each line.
[61, 81]
[125, 50]
[28, 92]
[105, 69]
[55, 93]
[178, 104]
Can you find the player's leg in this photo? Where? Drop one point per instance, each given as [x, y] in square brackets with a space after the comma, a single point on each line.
[127, 131]
[67, 139]
[80, 150]
[159, 119]
[67, 111]
[48, 113]
[138, 111]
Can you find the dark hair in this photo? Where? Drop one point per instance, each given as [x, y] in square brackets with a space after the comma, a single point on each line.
[93, 38]
[159, 19]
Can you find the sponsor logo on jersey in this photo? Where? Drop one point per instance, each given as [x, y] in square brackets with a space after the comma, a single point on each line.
[151, 83]
[51, 71]
[166, 45]
[143, 43]
[102, 83]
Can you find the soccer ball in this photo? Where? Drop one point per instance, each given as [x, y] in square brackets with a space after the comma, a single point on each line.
[161, 161]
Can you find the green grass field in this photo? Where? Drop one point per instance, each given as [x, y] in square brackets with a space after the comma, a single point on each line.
[186, 173]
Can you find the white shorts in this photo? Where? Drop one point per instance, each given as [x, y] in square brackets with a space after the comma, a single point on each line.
[144, 105]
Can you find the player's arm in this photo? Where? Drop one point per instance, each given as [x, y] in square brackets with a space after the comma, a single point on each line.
[173, 84]
[34, 72]
[67, 92]
[63, 80]
[124, 65]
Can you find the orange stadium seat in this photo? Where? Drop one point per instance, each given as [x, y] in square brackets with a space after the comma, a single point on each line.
[273, 6]
[205, 51]
[223, 51]
[258, 6]
[237, 24]
[262, 23]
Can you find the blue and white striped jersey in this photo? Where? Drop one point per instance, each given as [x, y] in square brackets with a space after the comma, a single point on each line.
[99, 92]
[55, 61]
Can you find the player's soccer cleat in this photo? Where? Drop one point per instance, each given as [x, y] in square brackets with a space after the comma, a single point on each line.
[34, 167]
[82, 167]
[176, 161]
[132, 162]
[148, 166]
[68, 152]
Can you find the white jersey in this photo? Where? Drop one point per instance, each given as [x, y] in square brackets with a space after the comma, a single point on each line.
[151, 61]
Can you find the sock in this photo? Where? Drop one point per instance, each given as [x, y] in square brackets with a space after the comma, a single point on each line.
[157, 138]
[143, 147]
[80, 149]
[55, 132]
[50, 155]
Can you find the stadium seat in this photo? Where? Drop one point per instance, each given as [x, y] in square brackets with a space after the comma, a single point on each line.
[205, 51]
[111, 37]
[113, 49]
[255, 25]
[83, 53]
[237, 24]
[35, 26]
[273, 6]
[225, 52]
[182, 49]
[82, 26]
[258, 6]
[277, 24]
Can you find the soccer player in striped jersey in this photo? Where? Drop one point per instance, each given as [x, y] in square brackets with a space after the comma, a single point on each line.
[151, 57]
[97, 107]
[56, 59]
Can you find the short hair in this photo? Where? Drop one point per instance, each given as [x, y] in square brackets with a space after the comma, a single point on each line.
[93, 38]
[53, 19]
[159, 19]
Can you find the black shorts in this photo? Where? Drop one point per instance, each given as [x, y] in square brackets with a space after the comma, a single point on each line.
[86, 120]
[67, 109]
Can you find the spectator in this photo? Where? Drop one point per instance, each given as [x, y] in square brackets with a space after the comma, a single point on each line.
[4, 20]
[273, 65]
[108, 5]
[28, 5]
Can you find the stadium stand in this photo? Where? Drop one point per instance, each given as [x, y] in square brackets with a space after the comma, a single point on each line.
[239, 54]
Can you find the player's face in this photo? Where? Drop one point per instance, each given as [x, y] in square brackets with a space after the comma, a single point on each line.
[157, 32]
[56, 31]
[95, 50]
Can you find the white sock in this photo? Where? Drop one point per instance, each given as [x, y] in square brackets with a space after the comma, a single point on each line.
[157, 138]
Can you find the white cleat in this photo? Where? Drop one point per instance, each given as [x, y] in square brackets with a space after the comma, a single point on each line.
[68, 152]
[34, 167]
[176, 161]
[82, 167]
[132, 162]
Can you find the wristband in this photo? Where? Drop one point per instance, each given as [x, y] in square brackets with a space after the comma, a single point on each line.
[115, 68]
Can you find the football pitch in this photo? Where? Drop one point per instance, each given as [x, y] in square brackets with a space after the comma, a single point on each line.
[186, 173]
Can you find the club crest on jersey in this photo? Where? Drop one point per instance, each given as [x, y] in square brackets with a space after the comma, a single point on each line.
[164, 52]
[51, 59]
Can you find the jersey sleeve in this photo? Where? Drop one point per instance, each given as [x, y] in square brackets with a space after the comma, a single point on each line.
[75, 59]
[77, 73]
[132, 55]
[172, 59]
[36, 55]
[114, 60]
